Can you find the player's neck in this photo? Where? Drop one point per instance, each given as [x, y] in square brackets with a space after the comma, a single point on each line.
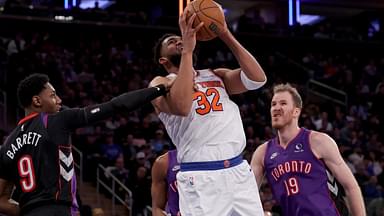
[172, 68]
[29, 111]
[286, 134]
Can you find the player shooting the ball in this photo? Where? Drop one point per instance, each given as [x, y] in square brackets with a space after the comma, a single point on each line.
[206, 126]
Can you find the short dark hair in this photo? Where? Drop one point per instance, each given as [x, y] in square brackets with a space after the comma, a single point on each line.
[30, 86]
[157, 47]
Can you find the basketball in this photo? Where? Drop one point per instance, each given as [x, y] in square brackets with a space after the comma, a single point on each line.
[211, 14]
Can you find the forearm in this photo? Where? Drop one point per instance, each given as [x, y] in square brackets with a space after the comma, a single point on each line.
[157, 211]
[123, 103]
[355, 201]
[247, 62]
[182, 89]
[8, 208]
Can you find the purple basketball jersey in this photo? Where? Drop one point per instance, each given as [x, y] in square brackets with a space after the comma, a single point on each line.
[173, 195]
[297, 178]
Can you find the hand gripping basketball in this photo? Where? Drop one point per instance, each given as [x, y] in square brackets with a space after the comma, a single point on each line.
[211, 14]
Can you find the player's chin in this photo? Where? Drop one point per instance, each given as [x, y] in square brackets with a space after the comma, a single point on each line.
[276, 125]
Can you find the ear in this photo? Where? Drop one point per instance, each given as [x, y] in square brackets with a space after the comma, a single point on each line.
[36, 101]
[297, 112]
[163, 60]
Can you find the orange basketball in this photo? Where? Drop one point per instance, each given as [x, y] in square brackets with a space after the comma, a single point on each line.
[211, 14]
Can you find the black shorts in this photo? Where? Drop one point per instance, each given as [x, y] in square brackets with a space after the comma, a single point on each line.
[51, 210]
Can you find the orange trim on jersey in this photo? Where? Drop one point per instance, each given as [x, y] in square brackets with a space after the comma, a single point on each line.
[213, 83]
[26, 118]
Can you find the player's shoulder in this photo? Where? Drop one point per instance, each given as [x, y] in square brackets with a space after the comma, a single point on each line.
[262, 149]
[322, 144]
[162, 158]
[316, 137]
[259, 154]
[160, 166]
[263, 145]
[11, 136]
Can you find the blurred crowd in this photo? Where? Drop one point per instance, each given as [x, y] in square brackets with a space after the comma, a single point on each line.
[268, 19]
[94, 69]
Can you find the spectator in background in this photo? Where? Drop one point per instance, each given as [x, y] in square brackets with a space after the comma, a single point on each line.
[140, 185]
[376, 207]
[378, 102]
[159, 142]
[140, 161]
[380, 177]
[121, 173]
[110, 150]
[16, 45]
[129, 151]
[322, 124]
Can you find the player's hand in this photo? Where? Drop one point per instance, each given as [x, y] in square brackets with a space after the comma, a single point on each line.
[188, 32]
[169, 83]
[14, 210]
[223, 31]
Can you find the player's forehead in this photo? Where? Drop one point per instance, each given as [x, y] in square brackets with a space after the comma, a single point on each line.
[170, 39]
[49, 88]
[282, 96]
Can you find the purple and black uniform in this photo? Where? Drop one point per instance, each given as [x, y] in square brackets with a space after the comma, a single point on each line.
[37, 155]
[298, 179]
[173, 194]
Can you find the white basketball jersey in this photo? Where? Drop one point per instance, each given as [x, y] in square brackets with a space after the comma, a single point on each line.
[213, 130]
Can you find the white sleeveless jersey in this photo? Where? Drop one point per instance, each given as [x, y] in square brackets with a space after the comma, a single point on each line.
[213, 130]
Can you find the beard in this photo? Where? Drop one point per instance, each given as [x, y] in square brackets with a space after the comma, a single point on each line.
[175, 59]
[277, 125]
[282, 122]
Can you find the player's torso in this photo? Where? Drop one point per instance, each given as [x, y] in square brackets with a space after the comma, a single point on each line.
[33, 160]
[173, 195]
[298, 179]
[213, 130]
[28, 154]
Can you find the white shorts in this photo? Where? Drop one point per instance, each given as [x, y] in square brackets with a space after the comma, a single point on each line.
[224, 192]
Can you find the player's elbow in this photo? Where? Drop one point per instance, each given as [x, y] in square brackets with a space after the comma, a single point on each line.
[352, 188]
[254, 82]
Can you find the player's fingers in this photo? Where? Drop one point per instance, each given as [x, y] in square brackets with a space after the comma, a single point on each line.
[183, 17]
[199, 26]
[191, 20]
[180, 20]
[170, 82]
[184, 14]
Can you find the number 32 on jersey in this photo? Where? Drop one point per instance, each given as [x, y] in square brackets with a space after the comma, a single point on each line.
[204, 104]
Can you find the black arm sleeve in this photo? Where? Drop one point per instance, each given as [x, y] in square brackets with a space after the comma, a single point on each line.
[123, 103]
[74, 118]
